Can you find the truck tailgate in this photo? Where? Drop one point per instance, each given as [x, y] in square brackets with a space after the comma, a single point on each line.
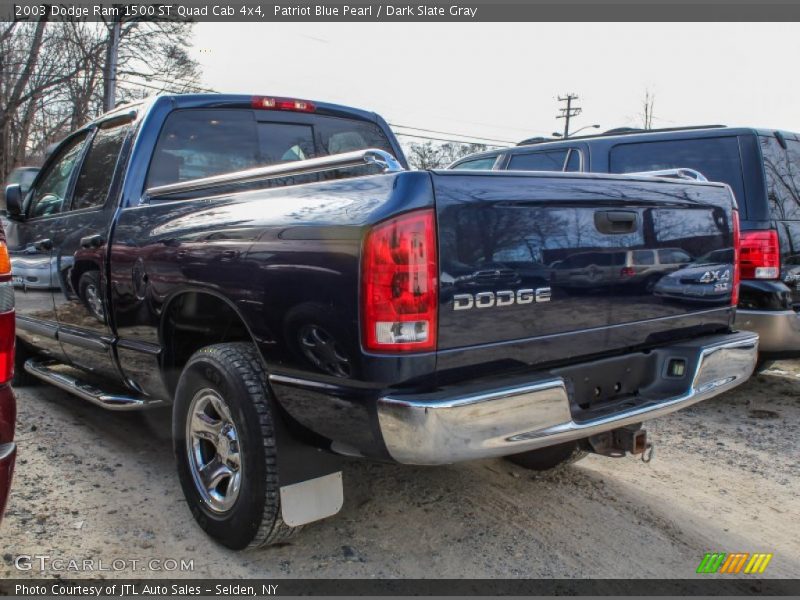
[542, 267]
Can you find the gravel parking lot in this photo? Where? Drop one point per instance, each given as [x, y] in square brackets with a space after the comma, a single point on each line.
[92, 484]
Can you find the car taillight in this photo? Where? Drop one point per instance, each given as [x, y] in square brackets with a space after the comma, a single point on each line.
[759, 254]
[627, 272]
[737, 269]
[399, 284]
[270, 103]
[7, 331]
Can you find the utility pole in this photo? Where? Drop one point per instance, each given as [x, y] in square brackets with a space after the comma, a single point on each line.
[110, 67]
[568, 112]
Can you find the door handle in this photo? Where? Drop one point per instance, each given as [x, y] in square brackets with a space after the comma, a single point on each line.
[616, 221]
[92, 241]
[44, 245]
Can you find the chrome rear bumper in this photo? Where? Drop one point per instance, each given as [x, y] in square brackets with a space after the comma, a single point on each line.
[429, 429]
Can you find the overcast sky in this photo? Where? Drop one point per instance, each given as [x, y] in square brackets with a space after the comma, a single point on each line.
[501, 80]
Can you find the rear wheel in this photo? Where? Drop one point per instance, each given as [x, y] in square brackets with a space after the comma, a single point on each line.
[225, 447]
[552, 458]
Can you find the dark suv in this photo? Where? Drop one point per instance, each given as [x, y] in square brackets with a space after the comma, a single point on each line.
[761, 166]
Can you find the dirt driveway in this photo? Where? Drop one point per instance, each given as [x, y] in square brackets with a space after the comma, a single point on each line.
[92, 484]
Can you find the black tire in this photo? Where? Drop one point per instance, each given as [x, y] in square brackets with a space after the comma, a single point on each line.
[22, 352]
[550, 459]
[89, 293]
[236, 373]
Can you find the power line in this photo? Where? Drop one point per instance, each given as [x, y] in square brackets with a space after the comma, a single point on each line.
[184, 84]
[173, 84]
[452, 141]
[476, 137]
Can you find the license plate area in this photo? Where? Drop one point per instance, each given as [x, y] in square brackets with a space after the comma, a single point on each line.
[623, 382]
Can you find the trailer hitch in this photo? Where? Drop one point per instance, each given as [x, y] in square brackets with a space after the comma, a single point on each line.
[619, 442]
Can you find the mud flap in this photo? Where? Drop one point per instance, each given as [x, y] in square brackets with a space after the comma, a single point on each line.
[310, 478]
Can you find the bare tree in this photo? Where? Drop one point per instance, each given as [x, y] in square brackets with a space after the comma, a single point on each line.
[157, 54]
[428, 155]
[32, 69]
[51, 77]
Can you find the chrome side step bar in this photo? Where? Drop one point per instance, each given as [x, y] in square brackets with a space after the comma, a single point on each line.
[44, 370]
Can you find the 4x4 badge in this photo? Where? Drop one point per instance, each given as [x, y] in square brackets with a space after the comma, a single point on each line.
[502, 298]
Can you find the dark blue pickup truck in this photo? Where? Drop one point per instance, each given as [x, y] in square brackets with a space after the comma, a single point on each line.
[271, 269]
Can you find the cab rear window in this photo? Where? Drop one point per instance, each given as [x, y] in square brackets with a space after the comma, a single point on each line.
[716, 158]
[196, 143]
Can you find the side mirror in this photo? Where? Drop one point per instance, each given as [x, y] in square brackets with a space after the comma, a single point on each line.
[14, 200]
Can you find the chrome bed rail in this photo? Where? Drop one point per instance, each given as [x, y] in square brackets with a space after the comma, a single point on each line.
[358, 158]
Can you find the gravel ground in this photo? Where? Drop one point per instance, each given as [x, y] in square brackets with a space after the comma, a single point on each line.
[92, 484]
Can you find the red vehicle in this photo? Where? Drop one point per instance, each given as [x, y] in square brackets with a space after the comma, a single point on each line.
[8, 407]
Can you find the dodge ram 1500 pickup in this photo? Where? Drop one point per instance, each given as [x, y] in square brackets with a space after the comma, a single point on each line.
[271, 269]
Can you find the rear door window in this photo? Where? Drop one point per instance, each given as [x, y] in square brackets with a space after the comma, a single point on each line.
[553, 160]
[716, 158]
[94, 180]
[782, 169]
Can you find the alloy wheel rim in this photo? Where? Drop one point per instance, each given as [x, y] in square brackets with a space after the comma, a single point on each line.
[213, 447]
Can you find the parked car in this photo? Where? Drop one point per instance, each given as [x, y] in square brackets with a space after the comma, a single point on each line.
[637, 269]
[23, 176]
[34, 271]
[269, 268]
[762, 167]
[8, 406]
[705, 280]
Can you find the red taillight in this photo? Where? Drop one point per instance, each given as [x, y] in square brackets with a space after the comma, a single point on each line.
[759, 254]
[271, 103]
[7, 331]
[737, 269]
[399, 279]
[6, 339]
[627, 272]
